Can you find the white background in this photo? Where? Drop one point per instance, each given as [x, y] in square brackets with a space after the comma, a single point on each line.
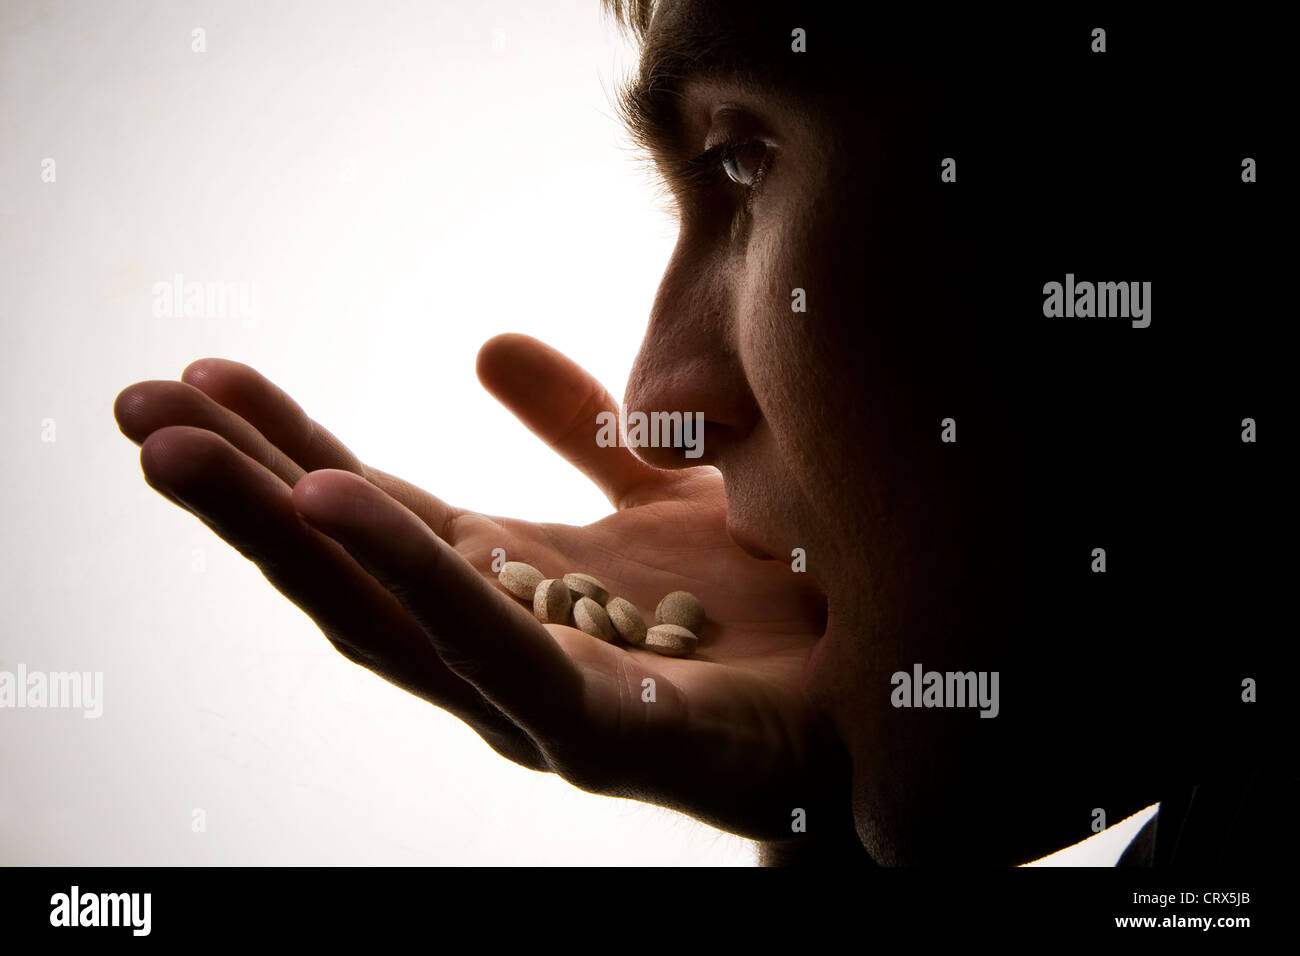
[401, 181]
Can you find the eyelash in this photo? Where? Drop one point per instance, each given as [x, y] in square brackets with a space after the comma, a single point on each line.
[707, 171]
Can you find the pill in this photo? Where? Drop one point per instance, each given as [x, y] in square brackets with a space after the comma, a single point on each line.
[590, 617]
[520, 579]
[584, 585]
[681, 608]
[670, 639]
[552, 601]
[627, 620]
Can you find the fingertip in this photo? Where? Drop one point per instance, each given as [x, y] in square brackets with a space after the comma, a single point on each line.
[319, 495]
[506, 341]
[212, 374]
[500, 357]
[126, 410]
[175, 456]
[198, 370]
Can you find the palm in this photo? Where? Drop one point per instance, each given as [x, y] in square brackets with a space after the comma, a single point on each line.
[760, 621]
[761, 626]
[402, 583]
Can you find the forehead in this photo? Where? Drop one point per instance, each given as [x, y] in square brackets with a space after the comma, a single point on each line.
[845, 45]
[816, 53]
[699, 39]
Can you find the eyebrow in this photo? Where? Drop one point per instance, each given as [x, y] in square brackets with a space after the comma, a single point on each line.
[650, 105]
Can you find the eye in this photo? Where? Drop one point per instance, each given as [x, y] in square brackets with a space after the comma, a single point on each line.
[744, 163]
[702, 182]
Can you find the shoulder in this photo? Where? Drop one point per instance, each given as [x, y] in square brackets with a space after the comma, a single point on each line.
[1225, 820]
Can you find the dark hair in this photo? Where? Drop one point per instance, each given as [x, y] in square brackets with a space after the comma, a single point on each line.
[633, 15]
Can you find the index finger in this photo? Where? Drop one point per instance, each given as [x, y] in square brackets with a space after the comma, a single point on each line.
[559, 401]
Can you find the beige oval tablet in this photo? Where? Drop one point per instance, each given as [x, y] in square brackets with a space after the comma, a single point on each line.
[590, 617]
[681, 608]
[520, 579]
[671, 639]
[627, 620]
[552, 601]
[584, 585]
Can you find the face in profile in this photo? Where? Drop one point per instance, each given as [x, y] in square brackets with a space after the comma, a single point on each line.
[811, 311]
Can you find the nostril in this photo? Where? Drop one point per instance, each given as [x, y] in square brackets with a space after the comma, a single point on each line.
[688, 394]
[681, 434]
[681, 413]
[674, 440]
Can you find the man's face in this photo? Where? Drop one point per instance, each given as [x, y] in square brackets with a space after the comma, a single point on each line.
[793, 213]
[825, 421]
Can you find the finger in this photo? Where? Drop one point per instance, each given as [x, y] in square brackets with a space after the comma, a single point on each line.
[270, 410]
[433, 511]
[559, 402]
[478, 632]
[145, 407]
[282, 421]
[252, 510]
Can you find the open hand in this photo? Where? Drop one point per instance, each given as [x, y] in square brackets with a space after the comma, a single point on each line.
[401, 583]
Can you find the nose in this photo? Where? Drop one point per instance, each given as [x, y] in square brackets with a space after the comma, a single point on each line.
[691, 362]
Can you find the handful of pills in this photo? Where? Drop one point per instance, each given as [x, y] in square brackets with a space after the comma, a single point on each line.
[580, 601]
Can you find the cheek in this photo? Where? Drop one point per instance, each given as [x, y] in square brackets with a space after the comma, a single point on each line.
[776, 347]
[791, 314]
